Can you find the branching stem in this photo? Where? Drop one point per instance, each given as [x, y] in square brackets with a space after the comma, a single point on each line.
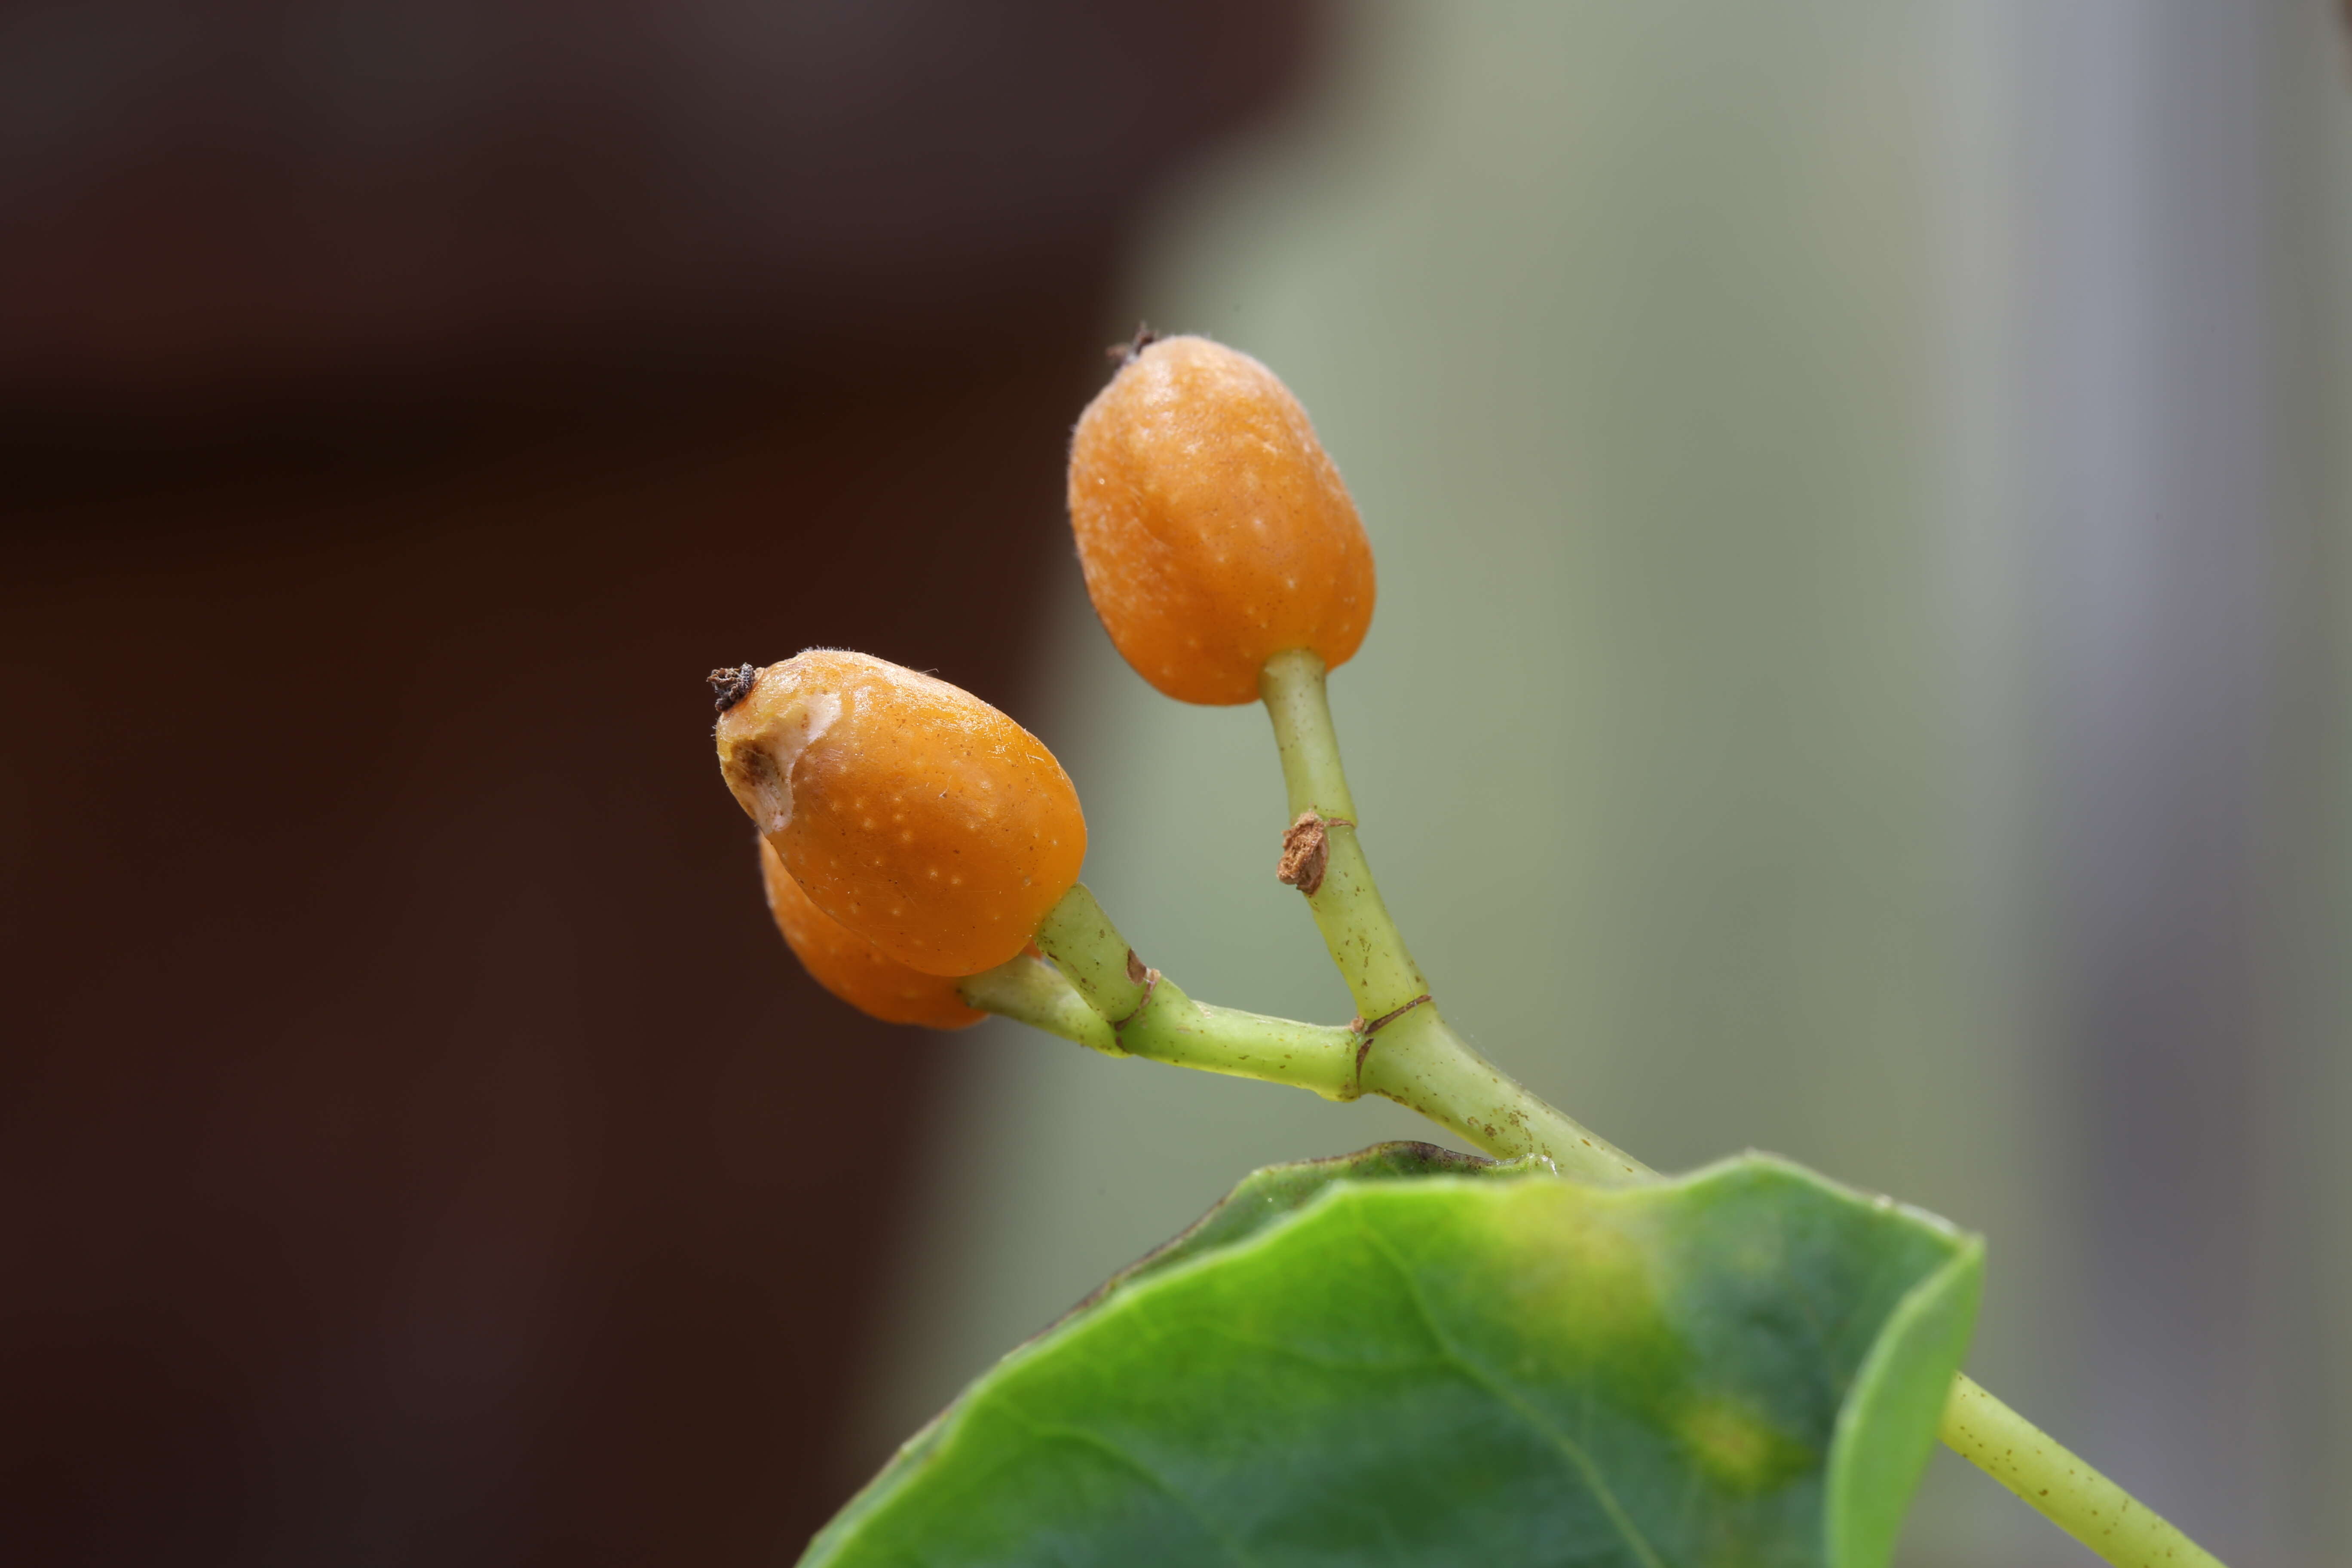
[1364, 942]
[1409, 1055]
[1147, 1014]
[1099, 994]
[1414, 1058]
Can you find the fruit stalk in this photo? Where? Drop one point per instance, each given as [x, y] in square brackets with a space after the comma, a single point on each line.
[1409, 1054]
[1380, 973]
[1031, 991]
[1149, 1016]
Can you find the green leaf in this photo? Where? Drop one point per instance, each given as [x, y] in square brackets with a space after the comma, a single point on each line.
[1395, 1359]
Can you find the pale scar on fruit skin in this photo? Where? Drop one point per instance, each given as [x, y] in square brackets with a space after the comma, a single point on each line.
[762, 763]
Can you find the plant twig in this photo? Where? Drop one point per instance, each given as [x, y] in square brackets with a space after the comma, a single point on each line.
[2060, 1486]
[1365, 945]
[1148, 1015]
[1036, 993]
[1100, 994]
[1417, 1060]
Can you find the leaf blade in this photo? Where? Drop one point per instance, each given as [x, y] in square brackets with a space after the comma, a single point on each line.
[1727, 1367]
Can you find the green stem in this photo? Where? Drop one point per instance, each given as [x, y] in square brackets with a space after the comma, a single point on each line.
[1034, 993]
[1411, 1055]
[1419, 1062]
[1380, 974]
[2068, 1492]
[1147, 1014]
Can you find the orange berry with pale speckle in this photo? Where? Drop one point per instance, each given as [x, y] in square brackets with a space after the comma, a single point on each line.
[1212, 527]
[908, 810]
[853, 968]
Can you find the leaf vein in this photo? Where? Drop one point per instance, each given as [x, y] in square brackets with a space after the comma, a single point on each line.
[1058, 1431]
[1578, 1461]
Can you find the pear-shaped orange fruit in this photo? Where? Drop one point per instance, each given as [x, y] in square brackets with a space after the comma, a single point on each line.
[908, 810]
[1214, 530]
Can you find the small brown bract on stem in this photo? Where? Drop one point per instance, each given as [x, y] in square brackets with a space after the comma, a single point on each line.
[1306, 854]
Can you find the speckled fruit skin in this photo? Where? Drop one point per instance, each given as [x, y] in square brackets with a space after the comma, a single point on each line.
[907, 809]
[853, 968]
[1212, 527]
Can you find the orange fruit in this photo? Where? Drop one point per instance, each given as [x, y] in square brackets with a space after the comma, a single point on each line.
[908, 810]
[853, 968]
[1214, 530]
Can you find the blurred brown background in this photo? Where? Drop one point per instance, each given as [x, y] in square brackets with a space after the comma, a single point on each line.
[414, 1144]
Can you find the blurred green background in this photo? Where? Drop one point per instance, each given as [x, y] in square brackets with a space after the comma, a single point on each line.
[1859, 672]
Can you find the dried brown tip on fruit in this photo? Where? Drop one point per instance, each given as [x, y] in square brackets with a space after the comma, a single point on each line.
[1124, 353]
[731, 686]
[1305, 853]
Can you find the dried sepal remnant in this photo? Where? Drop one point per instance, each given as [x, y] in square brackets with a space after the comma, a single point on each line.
[911, 812]
[853, 968]
[1212, 527]
[728, 687]
[1124, 353]
[1306, 854]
